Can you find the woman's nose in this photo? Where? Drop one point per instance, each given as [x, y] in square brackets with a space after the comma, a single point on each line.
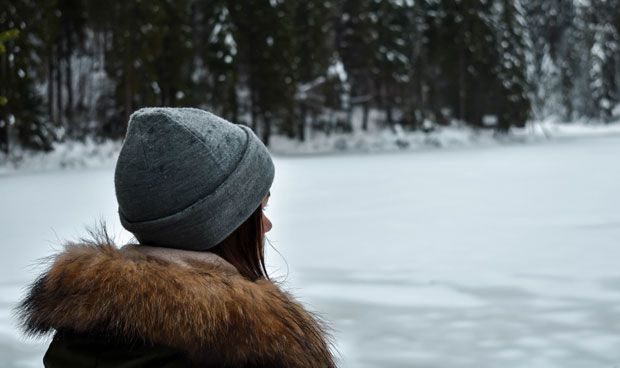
[266, 224]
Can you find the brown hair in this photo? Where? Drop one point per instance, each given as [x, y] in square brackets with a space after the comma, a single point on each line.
[245, 248]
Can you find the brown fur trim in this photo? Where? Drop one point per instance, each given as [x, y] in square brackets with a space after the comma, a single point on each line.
[197, 306]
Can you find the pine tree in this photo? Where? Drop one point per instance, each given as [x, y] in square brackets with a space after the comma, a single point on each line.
[317, 90]
[462, 58]
[355, 44]
[266, 47]
[570, 82]
[513, 42]
[21, 112]
[391, 53]
[149, 58]
[541, 18]
[216, 73]
[6, 36]
[416, 39]
[604, 49]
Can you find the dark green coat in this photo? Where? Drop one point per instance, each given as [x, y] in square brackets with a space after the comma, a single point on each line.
[82, 351]
[143, 306]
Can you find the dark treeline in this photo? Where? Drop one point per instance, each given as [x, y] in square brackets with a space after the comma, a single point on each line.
[71, 69]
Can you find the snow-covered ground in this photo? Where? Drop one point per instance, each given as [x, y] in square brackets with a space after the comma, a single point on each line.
[96, 154]
[490, 256]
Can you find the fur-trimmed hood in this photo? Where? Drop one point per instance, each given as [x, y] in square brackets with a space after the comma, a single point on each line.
[191, 301]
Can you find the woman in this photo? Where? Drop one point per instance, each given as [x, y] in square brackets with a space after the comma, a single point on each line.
[194, 291]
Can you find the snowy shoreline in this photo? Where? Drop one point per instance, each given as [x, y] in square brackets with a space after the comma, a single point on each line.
[101, 154]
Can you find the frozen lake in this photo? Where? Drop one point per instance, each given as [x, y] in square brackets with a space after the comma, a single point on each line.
[503, 256]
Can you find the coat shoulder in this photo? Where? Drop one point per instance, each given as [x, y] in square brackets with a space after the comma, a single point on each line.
[194, 305]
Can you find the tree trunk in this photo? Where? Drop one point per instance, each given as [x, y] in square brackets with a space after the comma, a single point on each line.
[68, 75]
[58, 69]
[301, 124]
[128, 91]
[128, 80]
[253, 114]
[349, 114]
[266, 133]
[617, 72]
[388, 106]
[4, 123]
[233, 102]
[365, 116]
[50, 86]
[4, 138]
[462, 85]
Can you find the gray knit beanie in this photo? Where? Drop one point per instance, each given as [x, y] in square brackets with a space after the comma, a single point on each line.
[186, 178]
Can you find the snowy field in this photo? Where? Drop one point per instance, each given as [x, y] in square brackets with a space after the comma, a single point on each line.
[494, 256]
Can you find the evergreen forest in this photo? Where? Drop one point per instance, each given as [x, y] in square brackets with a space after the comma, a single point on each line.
[76, 69]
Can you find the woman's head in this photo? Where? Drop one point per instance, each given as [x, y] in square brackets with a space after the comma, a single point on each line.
[245, 247]
[188, 179]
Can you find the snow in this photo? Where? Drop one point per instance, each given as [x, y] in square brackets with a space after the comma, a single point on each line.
[68, 155]
[454, 136]
[336, 68]
[92, 154]
[481, 256]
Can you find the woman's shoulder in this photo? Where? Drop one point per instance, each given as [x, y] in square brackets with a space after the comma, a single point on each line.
[194, 302]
